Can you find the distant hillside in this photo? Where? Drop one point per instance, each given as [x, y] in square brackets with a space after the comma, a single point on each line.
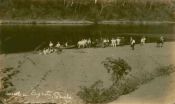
[93, 10]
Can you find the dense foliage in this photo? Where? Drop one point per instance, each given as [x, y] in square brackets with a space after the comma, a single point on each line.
[123, 81]
[96, 93]
[119, 68]
[7, 86]
[93, 10]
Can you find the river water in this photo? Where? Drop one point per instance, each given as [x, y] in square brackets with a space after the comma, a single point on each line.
[23, 38]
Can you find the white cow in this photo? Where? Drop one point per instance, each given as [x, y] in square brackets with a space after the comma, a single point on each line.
[113, 42]
[50, 44]
[118, 40]
[58, 45]
[89, 42]
[82, 43]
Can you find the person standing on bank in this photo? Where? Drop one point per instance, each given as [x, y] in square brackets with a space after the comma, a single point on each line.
[132, 44]
[142, 41]
[50, 47]
[131, 40]
[162, 41]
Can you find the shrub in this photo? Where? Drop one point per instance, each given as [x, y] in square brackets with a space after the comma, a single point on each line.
[6, 75]
[123, 82]
[96, 94]
[119, 67]
[93, 94]
[165, 70]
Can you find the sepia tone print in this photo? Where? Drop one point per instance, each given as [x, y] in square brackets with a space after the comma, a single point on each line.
[87, 51]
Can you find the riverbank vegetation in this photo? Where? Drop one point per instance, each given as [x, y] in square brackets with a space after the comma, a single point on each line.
[92, 10]
[123, 81]
[7, 86]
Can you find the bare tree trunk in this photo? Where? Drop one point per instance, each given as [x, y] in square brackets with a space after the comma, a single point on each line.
[72, 2]
[101, 10]
[103, 5]
[95, 1]
[1, 67]
[64, 2]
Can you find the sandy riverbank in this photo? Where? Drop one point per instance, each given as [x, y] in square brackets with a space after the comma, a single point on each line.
[158, 91]
[73, 68]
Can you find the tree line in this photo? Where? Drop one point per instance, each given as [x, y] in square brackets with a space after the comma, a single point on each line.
[94, 10]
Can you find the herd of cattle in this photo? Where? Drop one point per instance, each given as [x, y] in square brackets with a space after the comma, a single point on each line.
[86, 43]
[105, 42]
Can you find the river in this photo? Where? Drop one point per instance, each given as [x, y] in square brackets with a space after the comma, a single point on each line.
[23, 38]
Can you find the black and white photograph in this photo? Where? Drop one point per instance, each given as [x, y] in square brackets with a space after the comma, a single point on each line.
[87, 51]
